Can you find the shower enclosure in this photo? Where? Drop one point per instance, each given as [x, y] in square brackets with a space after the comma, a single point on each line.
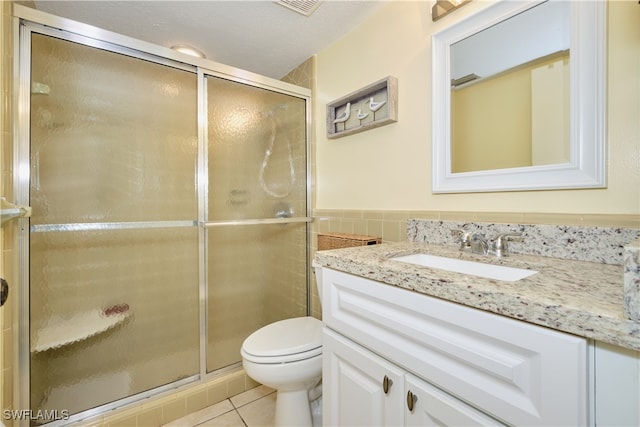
[170, 216]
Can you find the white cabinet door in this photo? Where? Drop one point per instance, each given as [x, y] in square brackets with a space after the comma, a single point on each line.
[353, 382]
[427, 405]
[617, 392]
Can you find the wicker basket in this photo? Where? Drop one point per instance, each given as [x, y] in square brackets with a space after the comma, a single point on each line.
[343, 240]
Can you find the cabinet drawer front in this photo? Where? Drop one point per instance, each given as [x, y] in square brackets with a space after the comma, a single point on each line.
[519, 373]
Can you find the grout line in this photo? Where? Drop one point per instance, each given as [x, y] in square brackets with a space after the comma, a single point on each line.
[247, 404]
[234, 409]
[250, 401]
[219, 415]
[243, 420]
[233, 404]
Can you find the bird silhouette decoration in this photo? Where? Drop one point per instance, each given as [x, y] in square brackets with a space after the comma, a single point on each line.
[342, 118]
[360, 116]
[375, 106]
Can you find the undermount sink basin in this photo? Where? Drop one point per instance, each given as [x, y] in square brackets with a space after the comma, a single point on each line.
[489, 271]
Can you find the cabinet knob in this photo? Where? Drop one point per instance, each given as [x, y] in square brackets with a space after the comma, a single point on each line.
[386, 384]
[411, 400]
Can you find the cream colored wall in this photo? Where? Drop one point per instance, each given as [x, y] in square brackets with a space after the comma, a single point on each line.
[487, 117]
[389, 168]
[550, 130]
[513, 119]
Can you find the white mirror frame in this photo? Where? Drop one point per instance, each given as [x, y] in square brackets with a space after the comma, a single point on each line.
[587, 165]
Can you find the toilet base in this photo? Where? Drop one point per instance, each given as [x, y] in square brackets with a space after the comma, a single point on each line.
[293, 409]
[316, 412]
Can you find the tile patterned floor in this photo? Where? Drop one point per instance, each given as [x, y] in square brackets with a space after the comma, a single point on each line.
[253, 408]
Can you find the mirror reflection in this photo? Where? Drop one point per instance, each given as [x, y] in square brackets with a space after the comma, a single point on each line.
[510, 92]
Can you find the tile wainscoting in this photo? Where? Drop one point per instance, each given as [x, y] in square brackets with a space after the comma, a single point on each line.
[392, 225]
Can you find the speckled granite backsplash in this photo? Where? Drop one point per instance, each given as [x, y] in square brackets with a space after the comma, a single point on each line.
[593, 244]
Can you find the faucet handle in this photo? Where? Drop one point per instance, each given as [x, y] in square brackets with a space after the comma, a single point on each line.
[464, 237]
[500, 245]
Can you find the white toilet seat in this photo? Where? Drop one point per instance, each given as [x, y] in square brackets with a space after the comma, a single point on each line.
[285, 341]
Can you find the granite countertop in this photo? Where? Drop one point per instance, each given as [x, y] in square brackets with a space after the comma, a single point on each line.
[578, 297]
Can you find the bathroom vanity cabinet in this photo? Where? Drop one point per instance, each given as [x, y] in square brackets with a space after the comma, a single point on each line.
[396, 357]
[553, 348]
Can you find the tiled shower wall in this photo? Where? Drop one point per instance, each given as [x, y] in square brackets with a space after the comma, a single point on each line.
[305, 75]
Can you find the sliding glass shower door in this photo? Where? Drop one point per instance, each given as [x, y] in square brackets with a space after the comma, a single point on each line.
[257, 213]
[114, 267]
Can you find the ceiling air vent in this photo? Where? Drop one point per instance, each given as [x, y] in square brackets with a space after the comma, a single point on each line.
[305, 7]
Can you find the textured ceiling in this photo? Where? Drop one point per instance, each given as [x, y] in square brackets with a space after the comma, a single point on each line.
[258, 36]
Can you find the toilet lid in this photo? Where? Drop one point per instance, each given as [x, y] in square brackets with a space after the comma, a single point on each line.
[285, 337]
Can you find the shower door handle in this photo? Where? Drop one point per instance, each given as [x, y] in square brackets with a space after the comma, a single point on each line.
[4, 291]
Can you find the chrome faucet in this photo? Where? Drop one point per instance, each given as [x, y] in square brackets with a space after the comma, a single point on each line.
[480, 245]
[476, 242]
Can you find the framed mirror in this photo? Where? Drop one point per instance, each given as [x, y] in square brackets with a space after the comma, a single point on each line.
[518, 98]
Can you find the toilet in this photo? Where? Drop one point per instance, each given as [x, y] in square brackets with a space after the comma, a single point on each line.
[287, 356]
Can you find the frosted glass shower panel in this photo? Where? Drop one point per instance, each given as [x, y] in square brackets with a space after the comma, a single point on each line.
[257, 275]
[257, 152]
[115, 313]
[114, 138]
[114, 243]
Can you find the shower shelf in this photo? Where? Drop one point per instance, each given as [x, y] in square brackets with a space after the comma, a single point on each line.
[60, 332]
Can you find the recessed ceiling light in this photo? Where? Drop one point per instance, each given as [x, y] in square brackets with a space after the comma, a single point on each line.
[183, 48]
